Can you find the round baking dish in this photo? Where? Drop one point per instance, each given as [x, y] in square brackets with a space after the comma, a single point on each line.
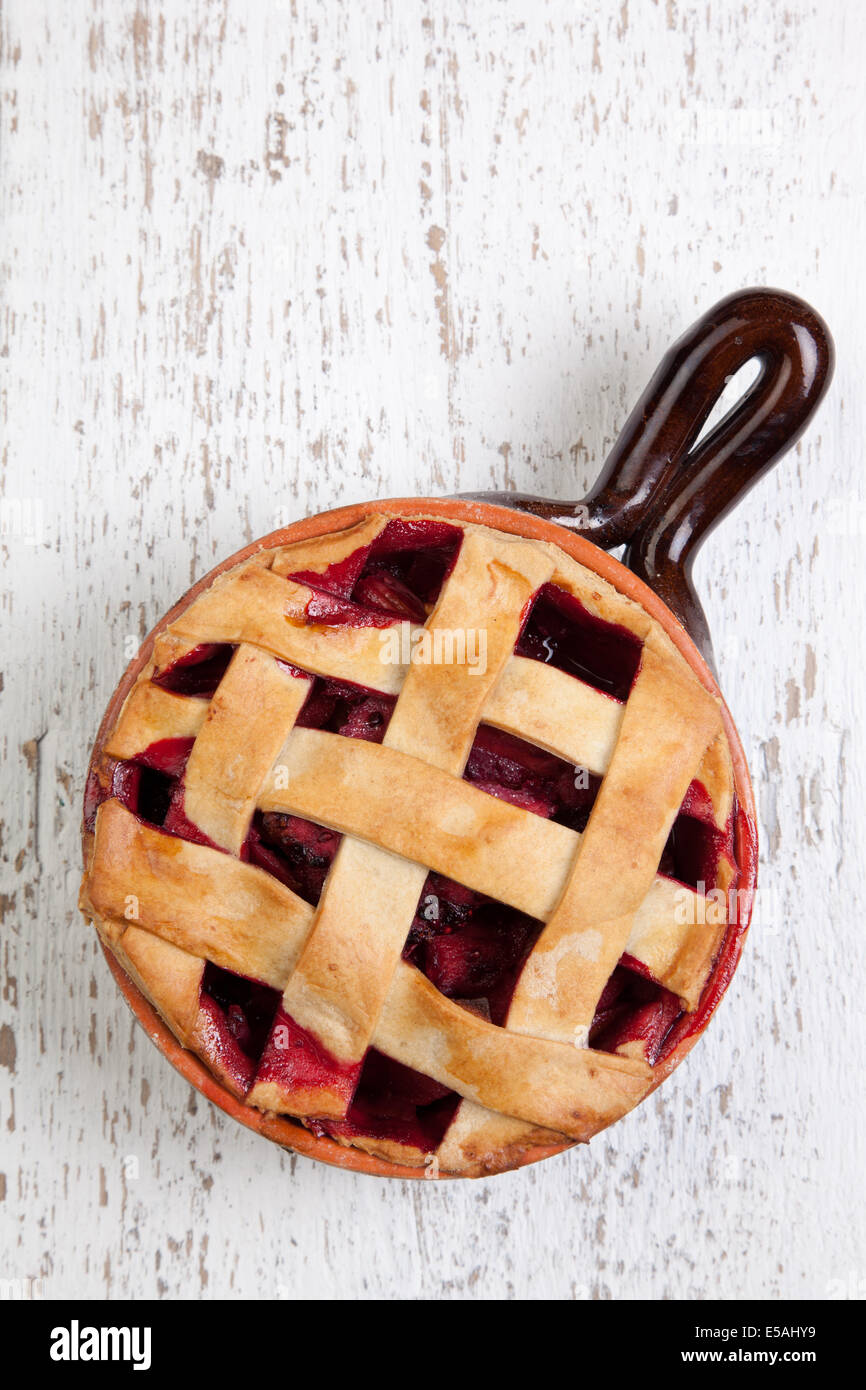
[661, 491]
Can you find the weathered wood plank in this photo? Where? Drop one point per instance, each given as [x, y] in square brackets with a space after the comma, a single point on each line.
[261, 259]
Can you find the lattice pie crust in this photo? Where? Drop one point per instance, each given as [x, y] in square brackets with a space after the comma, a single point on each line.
[173, 901]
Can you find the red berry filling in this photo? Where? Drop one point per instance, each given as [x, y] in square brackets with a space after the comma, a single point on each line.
[297, 1061]
[248, 1006]
[350, 710]
[515, 771]
[398, 577]
[561, 632]
[197, 673]
[297, 852]
[632, 1010]
[393, 1102]
[386, 592]
[695, 847]
[469, 946]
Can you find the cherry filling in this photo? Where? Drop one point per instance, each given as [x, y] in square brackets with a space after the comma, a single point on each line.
[143, 790]
[515, 771]
[393, 1102]
[247, 1006]
[694, 850]
[297, 852]
[294, 1059]
[471, 947]
[350, 710]
[398, 576]
[199, 672]
[561, 632]
[633, 1013]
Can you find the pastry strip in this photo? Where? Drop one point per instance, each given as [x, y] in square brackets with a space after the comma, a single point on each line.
[342, 979]
[192, 885]
[254, 708]
[257, 606]
[669, 720]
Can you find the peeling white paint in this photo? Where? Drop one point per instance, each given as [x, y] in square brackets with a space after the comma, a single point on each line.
[265, 259]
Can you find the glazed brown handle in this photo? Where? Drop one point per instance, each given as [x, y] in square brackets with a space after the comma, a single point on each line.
[659, 493]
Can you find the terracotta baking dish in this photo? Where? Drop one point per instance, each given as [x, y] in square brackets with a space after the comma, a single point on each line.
[660, 492]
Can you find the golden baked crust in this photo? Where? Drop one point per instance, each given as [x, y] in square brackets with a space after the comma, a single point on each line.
[404, 809]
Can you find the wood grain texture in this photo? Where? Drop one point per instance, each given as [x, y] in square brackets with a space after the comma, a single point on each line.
[262, 259]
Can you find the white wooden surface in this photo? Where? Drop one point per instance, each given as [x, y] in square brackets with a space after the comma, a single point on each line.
[264, 258]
